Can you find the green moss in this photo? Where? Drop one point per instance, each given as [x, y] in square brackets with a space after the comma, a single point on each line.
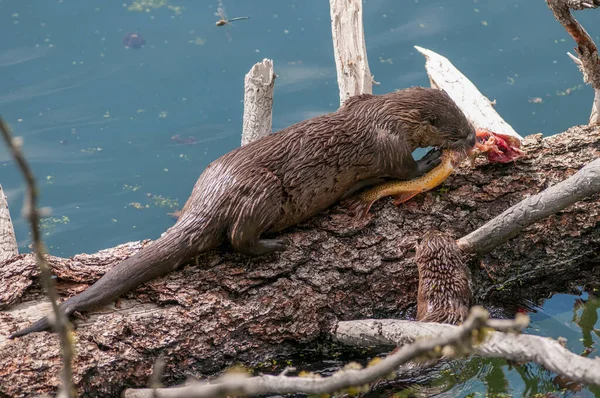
[50, 222]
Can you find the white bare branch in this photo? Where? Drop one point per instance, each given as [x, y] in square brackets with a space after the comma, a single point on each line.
[580, 185]
[478, 109]
[259, 85]
[349, 49]
[8, 242]
[574, 59]
[521, 348]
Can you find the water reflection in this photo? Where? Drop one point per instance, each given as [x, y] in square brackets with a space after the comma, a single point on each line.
[585, 315]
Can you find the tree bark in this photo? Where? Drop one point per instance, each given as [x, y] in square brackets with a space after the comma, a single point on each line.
[228, 308]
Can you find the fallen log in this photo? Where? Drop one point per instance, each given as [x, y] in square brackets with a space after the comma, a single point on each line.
[227, 308]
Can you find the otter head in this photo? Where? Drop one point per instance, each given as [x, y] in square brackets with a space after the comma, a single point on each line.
[431, 118]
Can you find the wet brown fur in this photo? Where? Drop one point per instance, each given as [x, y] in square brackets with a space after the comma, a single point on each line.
[444, 294]
[287, 177]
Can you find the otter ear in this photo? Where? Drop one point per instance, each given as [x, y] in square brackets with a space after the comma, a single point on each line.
[433, 121]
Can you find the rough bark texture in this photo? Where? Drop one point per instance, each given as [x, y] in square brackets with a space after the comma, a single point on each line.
[230, 308]
[8, 243]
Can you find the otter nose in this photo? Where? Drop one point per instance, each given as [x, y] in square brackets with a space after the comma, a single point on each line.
[470, 141]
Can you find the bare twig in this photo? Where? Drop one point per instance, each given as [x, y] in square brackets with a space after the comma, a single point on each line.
[471, 332]
[258, 101]
[582, 4]
[8, 243]
[588, 61]
[521, 348]
[31, 211]
[582, 184]
[349, 49]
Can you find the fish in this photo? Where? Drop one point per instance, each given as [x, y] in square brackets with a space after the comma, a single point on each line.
[499, 148]
[403, 191]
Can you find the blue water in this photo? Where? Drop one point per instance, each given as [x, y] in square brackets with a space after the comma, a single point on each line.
[97, 118]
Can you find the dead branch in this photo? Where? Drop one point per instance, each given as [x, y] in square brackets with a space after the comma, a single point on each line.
[547, 352]
[460, 338]
[582, 4]
[583, 184]
[8, 242]
[61, 323]
[259, 85]
[349, 49]
[588, 61]
[476, 107]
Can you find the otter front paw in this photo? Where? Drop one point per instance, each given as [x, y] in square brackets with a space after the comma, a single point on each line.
[274, 245]
[359, 207]
[431, 160]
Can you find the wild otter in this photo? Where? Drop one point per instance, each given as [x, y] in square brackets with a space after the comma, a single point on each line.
[444, 293]
[287, 177]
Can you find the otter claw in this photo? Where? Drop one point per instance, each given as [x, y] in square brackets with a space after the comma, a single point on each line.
[276, 244]
[359, 208]
[431, 160]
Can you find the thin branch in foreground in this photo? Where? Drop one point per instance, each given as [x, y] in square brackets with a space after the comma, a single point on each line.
[30, 210]
[470, 333]
[549, 353]
[582, 184]
[588, 61]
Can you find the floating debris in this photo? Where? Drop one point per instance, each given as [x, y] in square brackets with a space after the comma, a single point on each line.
[161, 201]
[48, 223]
[132, 188]
[91, 150]
[569, 90]
[175, 215]
[133, 40]
[184, 140]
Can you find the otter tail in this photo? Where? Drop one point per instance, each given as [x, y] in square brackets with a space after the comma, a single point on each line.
[163, 255]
